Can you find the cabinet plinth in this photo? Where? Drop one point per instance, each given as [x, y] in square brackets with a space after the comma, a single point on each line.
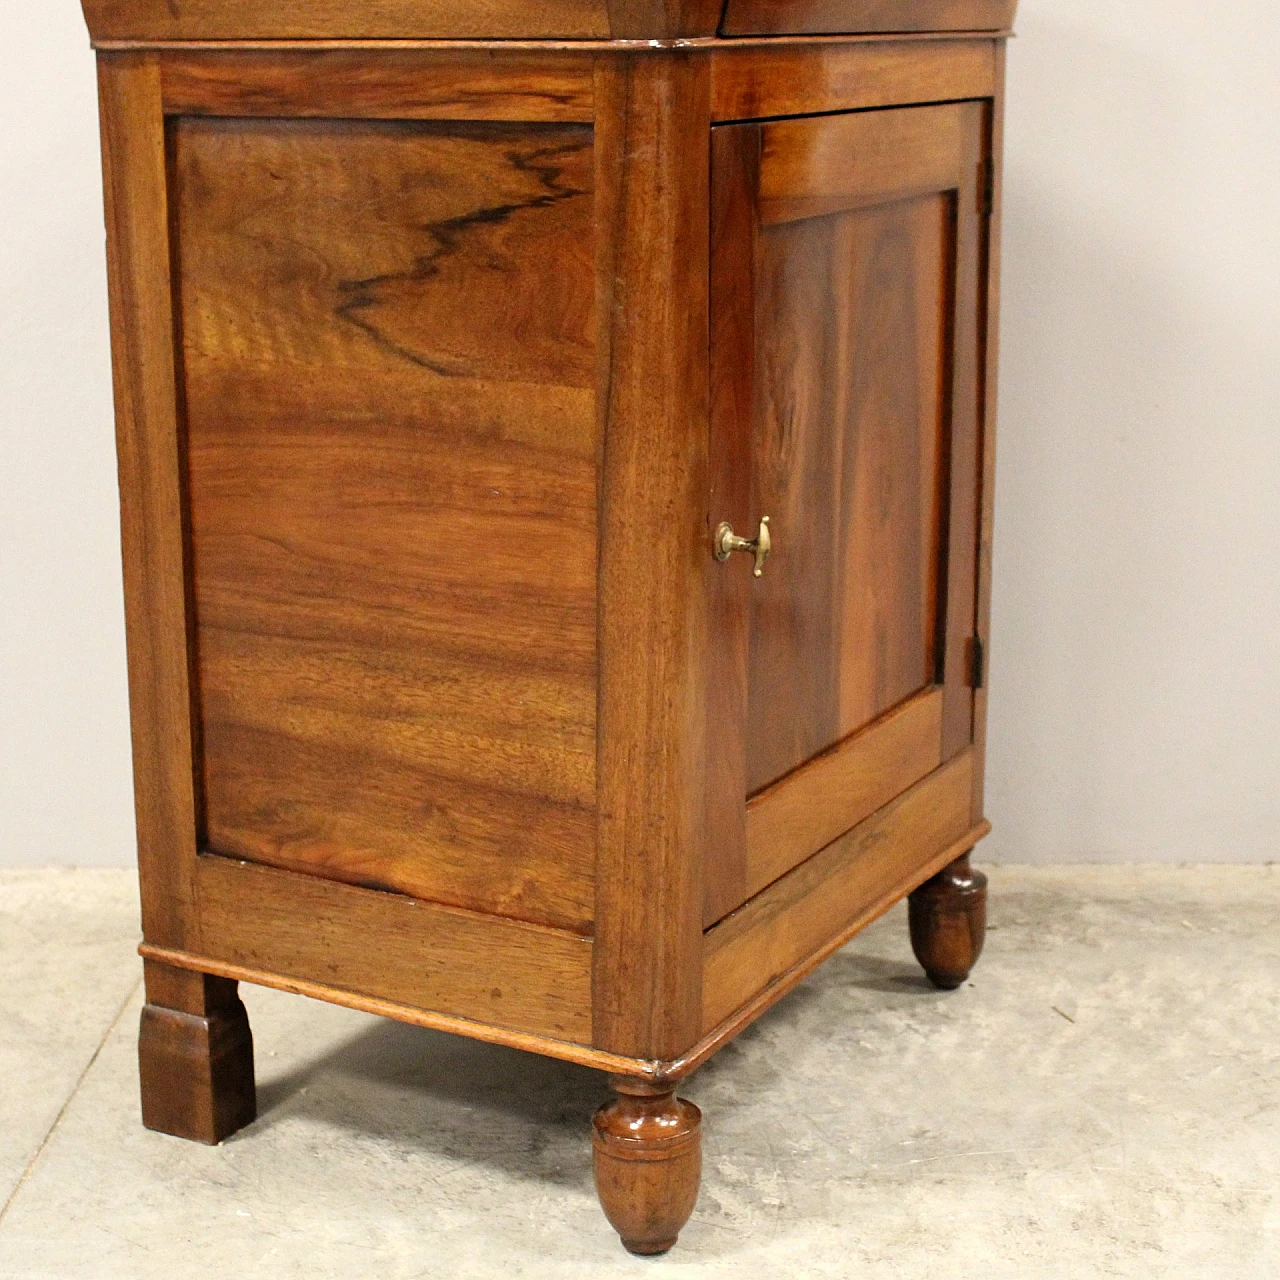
[451, 373]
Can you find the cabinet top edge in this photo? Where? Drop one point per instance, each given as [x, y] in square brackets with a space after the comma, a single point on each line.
[577, 24]
[677, 45]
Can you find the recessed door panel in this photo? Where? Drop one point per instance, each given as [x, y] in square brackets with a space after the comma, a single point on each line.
[845, 409]
[849, 465]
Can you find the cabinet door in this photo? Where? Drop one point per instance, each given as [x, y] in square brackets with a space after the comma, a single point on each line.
[848, 312]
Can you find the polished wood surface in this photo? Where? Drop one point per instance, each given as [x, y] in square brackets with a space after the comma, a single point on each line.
[948, 921]
[733, 1023]
[785, 923]
[648, 1163]
[809, 808]
[848, 464]
[400, 19]
[793, 78]
[425, 83]
[342, 20]
[195, 1056]
[157, 20]
[653, 138]
[863, 160]
[735, 164]
[466, 964]
[582, 1055]
[659, 19]
[391, 446]
[151, 492]
[772, 17]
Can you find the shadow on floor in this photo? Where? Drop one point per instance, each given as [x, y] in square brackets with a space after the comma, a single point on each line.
[520, 1113]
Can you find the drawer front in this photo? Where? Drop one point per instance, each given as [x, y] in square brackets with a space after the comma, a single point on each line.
[795, 17]
[846, 409]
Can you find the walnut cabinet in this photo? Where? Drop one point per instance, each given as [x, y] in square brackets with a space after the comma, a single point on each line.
[556, 451]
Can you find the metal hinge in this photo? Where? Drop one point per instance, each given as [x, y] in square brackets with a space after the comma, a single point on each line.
[988, 188]
[977, 663]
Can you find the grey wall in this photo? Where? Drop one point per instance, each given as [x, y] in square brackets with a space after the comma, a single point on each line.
[1135, 669]
[1135, 684]
[65, 783]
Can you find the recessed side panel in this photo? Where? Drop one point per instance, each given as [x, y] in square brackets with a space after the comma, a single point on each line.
[388, 373]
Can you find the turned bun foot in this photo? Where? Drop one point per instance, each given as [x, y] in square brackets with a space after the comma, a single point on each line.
[948, 918]
[195, 1056]
[648, 1163]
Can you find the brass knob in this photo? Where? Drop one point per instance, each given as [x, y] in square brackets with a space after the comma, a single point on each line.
[727, 542]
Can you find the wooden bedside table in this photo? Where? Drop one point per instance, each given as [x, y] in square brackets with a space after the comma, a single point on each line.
[556, 448]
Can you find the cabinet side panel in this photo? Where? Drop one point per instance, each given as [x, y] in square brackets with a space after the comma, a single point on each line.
[151, 501]
[501, 973]
[389, 374]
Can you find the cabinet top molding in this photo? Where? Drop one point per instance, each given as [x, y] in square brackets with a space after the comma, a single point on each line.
[158, 21]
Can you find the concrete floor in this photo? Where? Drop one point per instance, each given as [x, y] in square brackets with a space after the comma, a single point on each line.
[1103, 1099]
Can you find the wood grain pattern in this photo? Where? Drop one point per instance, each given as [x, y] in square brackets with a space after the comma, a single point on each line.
[195, 1056]
[773, 17]
[791, 78]
[396, 84]
[342, 20]
[659, 19]
[712, 1041]
[151, 499]
[400, 19]
[647, 1159]
[735, 168]
[653, 138]
[796, 915]
[895, 161]
[809, 808]
[527, 1042]
[849, 465]
[392, 442]
[855, 161]
[459, 963]
[453, 454]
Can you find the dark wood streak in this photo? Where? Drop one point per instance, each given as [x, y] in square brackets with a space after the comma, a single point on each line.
[450, 233]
